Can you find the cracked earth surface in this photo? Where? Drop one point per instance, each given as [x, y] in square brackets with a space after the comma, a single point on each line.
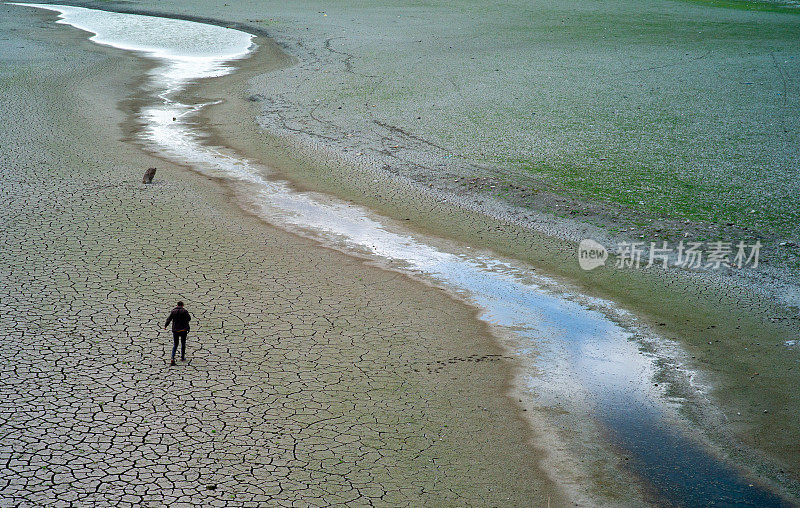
[311, 378]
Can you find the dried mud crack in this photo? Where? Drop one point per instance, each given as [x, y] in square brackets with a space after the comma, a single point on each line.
[297, 388]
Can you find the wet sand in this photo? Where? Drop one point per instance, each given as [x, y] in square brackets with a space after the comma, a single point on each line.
[311, 377]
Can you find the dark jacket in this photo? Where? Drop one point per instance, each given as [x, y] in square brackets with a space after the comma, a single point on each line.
[180, 319]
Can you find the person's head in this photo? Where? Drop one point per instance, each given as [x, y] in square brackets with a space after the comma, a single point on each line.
[180, 304]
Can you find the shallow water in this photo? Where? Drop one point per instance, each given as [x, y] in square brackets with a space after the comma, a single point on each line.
[581, 354]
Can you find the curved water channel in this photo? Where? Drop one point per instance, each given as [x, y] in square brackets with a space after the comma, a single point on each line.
[577, 352]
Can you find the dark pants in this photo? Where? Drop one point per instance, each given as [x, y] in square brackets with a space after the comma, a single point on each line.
[182, 337]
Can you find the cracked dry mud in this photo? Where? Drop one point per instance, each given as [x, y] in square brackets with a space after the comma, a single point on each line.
[311, 378]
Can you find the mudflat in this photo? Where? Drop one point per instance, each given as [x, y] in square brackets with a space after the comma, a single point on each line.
[735, 336]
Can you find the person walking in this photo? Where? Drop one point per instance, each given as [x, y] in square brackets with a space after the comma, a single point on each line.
[180, 318]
